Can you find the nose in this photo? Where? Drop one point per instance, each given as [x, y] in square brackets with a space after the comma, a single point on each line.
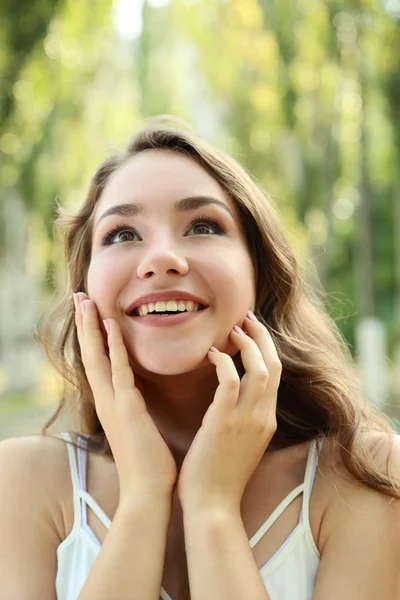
[160, 261]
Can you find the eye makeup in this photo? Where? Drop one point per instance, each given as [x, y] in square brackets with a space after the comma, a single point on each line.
[120, 228]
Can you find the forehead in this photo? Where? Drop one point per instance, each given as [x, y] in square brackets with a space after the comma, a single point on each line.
[157, 176]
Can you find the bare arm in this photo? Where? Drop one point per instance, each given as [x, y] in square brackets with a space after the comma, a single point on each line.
[360, 560]
[235, 432]
[361, 537]
[28, 534]
[360, 554]
[220, 560]
[130, 563]
[131, 560]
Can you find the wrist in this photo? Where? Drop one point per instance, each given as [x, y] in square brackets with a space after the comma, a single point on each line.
[209, 523]
[210, 509]
[146, 501]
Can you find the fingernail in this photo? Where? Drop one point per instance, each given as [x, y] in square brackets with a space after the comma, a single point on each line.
[106, 325]
[213, 349]
[251, 315]
[83, 306]
[237, 329]
[75, 299]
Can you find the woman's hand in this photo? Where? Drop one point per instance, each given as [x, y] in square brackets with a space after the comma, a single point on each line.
[143, 460]
[237, 427]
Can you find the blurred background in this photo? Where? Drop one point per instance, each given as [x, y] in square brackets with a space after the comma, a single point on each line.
[304, 93]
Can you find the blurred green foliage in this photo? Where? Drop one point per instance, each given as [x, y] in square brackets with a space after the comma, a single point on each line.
[15, 403]
[305, 94]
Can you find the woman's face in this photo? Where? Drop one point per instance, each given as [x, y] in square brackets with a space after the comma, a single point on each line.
[161, 249]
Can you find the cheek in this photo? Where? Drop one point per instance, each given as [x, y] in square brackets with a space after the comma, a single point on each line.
[105, 279]
[231, 275]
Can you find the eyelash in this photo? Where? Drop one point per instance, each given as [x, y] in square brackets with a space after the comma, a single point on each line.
[122, 228]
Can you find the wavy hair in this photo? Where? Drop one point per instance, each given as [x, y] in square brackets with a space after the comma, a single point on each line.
[320, 394]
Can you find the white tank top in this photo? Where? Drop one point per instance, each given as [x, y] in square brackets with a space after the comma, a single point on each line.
[288, 575]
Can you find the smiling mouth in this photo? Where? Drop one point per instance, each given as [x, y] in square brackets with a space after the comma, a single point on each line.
[165, 313]
[168, 318]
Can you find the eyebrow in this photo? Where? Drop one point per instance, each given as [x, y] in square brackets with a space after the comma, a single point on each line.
[184, 205]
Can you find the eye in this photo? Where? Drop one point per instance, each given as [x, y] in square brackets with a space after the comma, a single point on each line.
[207, 222]
[122, 230]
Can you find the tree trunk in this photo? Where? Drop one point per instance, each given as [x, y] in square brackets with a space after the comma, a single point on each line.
[19, 354]
[365, 292]
[396, 379]
[370, 331]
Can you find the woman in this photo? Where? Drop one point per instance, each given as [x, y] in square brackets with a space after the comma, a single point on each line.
[232, 454]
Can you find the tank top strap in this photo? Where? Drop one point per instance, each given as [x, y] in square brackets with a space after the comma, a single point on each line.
[305, 487]
[86, 498]
[164, 594]
[275, 515]
[82, 470]
[309, 481]
[74, 476]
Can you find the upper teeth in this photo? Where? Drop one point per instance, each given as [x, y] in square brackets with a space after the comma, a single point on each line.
[171, 305]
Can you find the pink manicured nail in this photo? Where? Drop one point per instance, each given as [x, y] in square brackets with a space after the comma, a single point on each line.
[213, 349]
[251, 316]
[83, 306]
[106, 325]
[237, 329]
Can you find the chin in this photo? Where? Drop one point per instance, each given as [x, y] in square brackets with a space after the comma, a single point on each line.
[170, 365]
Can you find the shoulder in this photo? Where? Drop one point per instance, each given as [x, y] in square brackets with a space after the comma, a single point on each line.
[38, 453]
[380, 450]
[42, 453]
[37, 467]
[33, 476]
[351, 503]
[360, 529]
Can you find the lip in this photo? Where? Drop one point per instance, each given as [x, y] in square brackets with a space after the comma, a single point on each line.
[157, 320]
[167, 295]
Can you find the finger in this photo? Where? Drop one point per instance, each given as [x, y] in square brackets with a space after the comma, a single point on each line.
[80, 297]
[78, 317]
[123, 378]
[262, 337]
[96, 362]
[255, 381]
[227, 392]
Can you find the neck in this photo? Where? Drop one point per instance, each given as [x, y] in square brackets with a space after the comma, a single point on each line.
[178, 403]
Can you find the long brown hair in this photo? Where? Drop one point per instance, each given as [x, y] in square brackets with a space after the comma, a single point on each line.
[319, 395]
